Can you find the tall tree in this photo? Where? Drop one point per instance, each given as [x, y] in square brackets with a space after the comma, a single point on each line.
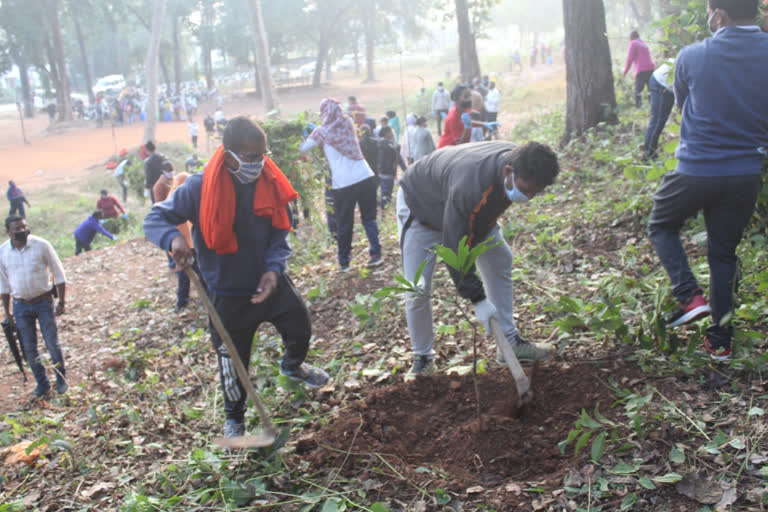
[261, 51]
[469, 64]
[205, 32]
[20, 23]
[150, 70]
[75, 12]
[63, 90]
[591, 96]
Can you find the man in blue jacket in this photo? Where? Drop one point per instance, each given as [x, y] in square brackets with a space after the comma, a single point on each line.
[720, 86]
[86, 231]
[240, 219]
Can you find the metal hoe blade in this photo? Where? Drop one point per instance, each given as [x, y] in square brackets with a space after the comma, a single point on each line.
[257, 439]
[524, 391]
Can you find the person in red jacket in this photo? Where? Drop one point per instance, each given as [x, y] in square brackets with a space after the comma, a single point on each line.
[458, 123]
[109, 205]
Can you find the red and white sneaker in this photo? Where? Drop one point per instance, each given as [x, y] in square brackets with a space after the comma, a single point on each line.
[695, 309]
[718, 353]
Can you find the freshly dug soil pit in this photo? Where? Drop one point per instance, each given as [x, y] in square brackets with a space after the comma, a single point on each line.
[431, 422]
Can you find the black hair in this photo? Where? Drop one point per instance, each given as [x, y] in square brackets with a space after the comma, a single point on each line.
[167, 165]
[97, 214]
[535, 162]
[352, 98]
[384, 118]
[439, 83]
[384, 131]
[11, 219]
[422, 120]
[103, 191]
[634, 34]
[457, 92]
[391, 114]
[240, 131]
[737, 9]
[150, 146]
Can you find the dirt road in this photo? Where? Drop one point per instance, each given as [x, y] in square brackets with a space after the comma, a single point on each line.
[62, 155]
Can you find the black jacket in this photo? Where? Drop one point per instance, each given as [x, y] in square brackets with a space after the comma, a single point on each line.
[389, 159]
[459, 190]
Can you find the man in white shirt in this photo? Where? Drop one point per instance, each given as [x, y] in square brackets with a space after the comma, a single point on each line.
[492, 102]
[25, 262]
[441, 104]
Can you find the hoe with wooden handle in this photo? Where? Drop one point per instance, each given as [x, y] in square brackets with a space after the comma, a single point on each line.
[524, 391]
[257, 439]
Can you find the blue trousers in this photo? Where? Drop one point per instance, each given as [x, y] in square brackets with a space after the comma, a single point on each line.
[728, 203]
[662, 101]
[387, 184]
[25, 316]
[362, 195]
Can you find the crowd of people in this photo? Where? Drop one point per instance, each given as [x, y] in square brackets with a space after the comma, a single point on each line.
[231, 222]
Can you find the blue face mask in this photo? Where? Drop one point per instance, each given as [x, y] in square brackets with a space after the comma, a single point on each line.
[247, 172]
[515, 195]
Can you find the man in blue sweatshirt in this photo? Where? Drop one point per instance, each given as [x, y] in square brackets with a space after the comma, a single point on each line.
[720, 86]
[240, 224]
[86, 231]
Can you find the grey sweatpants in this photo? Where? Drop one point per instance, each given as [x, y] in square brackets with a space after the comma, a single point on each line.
[495, 267]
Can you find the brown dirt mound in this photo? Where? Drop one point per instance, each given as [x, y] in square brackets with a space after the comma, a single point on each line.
[431, 422]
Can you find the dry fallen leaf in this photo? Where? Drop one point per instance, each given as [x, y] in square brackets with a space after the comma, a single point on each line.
[97, 488]
[700, 488]
[729, 497]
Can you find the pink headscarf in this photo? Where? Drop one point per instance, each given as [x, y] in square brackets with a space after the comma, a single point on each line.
[337, 130]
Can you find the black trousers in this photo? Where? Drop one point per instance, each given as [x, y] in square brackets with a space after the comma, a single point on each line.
[81, 247]
[285, 309]
[642, 80]
[728, 203]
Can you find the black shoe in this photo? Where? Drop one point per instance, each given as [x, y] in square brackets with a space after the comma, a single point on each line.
[61, 386]
[311, 376]
[375, 261]
[42, 389]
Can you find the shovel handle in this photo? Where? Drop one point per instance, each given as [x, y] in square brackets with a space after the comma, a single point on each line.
[234, 355]
[521, 380]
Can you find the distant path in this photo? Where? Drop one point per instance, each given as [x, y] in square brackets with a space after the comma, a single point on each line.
[67, 155]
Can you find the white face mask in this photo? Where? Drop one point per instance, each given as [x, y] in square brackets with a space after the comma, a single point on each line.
[515, 195]
[246, 172]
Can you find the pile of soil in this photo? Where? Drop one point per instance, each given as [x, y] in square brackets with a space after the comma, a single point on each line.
[431, 422]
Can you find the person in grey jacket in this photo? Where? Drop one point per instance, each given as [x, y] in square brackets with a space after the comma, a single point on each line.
[460, 191]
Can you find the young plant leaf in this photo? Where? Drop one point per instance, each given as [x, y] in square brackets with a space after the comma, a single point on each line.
[582, 442]
[598, 446]
[669, 478]
[676, 455]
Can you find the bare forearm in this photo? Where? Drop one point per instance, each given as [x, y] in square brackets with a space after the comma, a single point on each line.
[6, 304]
[61, 289]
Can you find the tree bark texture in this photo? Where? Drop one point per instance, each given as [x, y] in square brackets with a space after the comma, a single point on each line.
[322, 54]
[469, 65]
[261, 50]
[150, 71]
[370, 41]
[591, 96]
[65, 96]
[176, 53]
[26, 89]
[83, 56]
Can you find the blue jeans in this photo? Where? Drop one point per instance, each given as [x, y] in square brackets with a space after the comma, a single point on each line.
[662, 101]
[387, 184]
[728, 203]
[362, 195]
[25, 316]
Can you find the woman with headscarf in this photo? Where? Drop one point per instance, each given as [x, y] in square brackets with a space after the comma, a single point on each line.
[352, 180]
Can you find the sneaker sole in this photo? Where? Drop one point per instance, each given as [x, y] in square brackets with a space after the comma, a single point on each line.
[308, 384]
[691, 316]
[375, 264]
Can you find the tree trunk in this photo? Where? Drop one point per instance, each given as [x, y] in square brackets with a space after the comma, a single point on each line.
[150, 71]
[176, 53]
[208, 67]
[53, 73]
[166, 75]
[469, 64]
[357, 56]
[26, 89]
[328, 67]
[370, 47]
[84, 57]
[591, 96]
[642, 11]
[261, 50]
[322, 54]
[65, 98]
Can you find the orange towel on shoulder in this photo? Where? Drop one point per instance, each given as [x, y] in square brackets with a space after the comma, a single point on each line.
[217, 202]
